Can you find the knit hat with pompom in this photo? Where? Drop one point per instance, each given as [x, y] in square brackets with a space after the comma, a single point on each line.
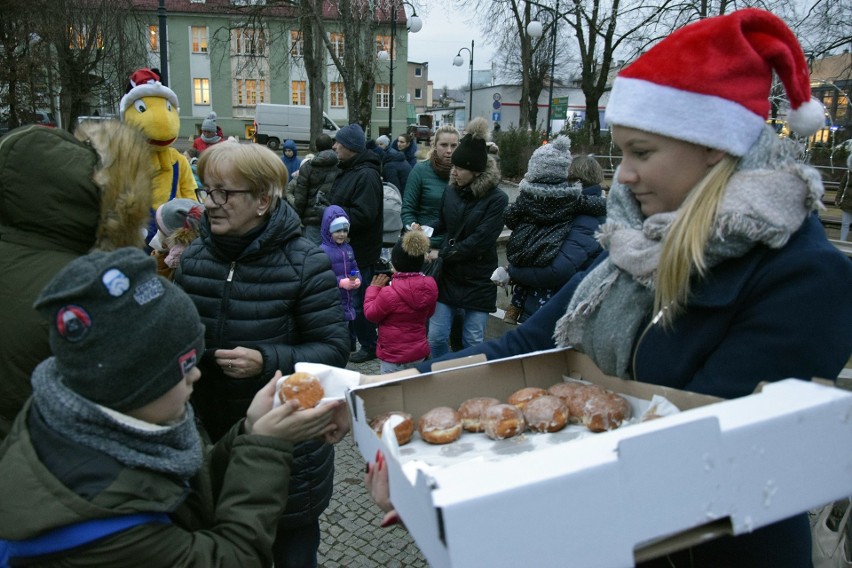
[409, 252]
[472, 153]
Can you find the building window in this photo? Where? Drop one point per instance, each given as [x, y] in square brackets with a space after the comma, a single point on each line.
[154, 37]
[418, 93]
[199, 39]
[80, 38]
[418, 71]
[299, 90]
[382, 95]
[336, 92]
[383, 43]
[337, 44]
[249, 41]
[250, 92]
[296, 45]
[201, 91]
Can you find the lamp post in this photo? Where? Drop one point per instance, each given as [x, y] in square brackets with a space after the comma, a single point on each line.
[164, 43]
[457, 61]
[415, 24]
[534, 28]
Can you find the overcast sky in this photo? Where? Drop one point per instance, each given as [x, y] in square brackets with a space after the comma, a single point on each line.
[445, 31]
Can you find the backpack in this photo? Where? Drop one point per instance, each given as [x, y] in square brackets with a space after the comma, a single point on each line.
[392, 222]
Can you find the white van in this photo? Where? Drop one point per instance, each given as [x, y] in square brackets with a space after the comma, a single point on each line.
[273, 124]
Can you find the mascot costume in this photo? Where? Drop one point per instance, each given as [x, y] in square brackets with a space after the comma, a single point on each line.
[153, 108]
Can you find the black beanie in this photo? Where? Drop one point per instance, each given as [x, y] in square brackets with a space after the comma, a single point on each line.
[121, 335]
[409, 252]
[472, 151]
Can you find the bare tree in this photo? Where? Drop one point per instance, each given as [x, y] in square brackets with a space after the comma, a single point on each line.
[20, 63]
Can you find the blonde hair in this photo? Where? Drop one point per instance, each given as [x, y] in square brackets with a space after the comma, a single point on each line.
[258, 165]
[445, 129]
[684, 246]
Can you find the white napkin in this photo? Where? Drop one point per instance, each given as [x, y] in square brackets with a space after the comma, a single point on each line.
[334, 380]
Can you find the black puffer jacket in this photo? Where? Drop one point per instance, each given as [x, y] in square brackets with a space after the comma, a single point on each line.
[315, 176]
[279, 297]
[470, 255]
[358, 190]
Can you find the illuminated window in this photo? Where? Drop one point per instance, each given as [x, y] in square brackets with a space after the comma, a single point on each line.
[299, 91]
[337, 44]
[383, 43]
[249, 41]
[337, 95]
[80, 39]
[201, 91]
[250, 92]
[296, 45]
[153, 37]
[382, 95]
[199, 39]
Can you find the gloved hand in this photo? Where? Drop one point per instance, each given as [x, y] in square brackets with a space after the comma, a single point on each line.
[500, 276]
[349, 284]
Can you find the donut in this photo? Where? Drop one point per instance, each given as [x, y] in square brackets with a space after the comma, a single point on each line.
[502, 421]
[471, 412]
[404, 430]
[304, 388]
[605, 411]
[440, 425]
[520, 398]
[578, 396]
[566, 390]
[546, 414]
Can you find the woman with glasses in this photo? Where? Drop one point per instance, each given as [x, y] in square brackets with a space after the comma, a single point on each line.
[267, 298]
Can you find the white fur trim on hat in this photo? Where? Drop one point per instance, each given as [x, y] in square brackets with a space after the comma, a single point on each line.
[808, 118]
[144, 85]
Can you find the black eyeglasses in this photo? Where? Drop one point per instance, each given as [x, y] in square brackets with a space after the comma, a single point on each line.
[219, 196]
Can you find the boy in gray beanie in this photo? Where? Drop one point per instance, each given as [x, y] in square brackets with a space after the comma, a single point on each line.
[108, 440]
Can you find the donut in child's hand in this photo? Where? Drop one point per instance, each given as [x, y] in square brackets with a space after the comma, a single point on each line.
[521, 397]
[471, 412]
[403, 430]
[502, 421]
[440, 425]
[304, 388]
[546, 414]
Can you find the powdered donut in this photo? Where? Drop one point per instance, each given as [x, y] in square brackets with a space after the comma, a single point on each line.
[471, 412]
[302, 387]
[566, 390]
[521, 397]
[440, 425]
[546, 414]
[502, 421]
[577, 400]
[605, 411]
[404, 430]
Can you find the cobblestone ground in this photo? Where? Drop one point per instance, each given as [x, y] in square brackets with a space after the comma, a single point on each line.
[351, 535]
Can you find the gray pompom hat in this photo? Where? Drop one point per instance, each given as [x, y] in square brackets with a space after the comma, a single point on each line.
[549, 163]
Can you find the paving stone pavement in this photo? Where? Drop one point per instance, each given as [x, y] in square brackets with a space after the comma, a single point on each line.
[351, 535]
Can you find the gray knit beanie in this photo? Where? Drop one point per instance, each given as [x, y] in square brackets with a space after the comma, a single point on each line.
[383, 141]
[352, 136]
[550, 162]
[209, 123]
[121, 335]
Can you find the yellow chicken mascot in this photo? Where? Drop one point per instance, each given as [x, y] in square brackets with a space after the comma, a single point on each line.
[153, 108]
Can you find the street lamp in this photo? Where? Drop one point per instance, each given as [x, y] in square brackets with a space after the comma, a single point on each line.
[415, 24]
[457, 61]
[535, 29]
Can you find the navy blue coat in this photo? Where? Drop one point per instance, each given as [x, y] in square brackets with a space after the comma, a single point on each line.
[410, 151]
[394, 168]
[767, 316]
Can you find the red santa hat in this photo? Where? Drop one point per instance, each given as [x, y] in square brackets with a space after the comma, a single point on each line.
[709, 82]
[146, 83]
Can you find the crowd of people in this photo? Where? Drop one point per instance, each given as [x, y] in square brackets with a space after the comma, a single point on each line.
[137, 386]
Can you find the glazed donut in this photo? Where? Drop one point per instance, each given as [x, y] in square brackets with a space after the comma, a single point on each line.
[471, 412]
[302, 387]
[521, 397]
[404, 430]
[502, 421]
[566, 390]
[546, 414]
[578, 396]
[605, 411]
[440, 425]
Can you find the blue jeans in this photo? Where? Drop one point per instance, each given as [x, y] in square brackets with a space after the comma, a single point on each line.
[296, 547]
[365, 330]
[440, 324]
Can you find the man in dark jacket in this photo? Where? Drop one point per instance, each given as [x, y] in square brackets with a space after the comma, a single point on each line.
[394, 168]
[358, 190]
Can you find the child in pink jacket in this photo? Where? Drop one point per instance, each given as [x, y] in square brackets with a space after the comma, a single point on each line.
[403, 308]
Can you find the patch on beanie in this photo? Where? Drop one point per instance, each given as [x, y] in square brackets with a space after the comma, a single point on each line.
[73, 323]
[115, 282]
[148, 290]
[187, 361]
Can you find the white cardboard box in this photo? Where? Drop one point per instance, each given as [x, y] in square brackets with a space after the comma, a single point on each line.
[718, 467]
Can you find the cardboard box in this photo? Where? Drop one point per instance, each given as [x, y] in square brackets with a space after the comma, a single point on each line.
[718, 467]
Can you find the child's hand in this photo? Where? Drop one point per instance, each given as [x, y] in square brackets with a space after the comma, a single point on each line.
[380, 280]
[349, 284]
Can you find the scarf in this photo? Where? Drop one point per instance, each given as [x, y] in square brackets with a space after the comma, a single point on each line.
[541, 218]
[174, 450]
[766, 200]
[211, 139]
[441, 170]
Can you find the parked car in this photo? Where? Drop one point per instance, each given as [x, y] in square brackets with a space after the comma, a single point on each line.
[421, 133]
[39, 117]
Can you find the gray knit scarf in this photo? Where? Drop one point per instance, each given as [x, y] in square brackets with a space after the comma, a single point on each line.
[767, 199]
[174, 450]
